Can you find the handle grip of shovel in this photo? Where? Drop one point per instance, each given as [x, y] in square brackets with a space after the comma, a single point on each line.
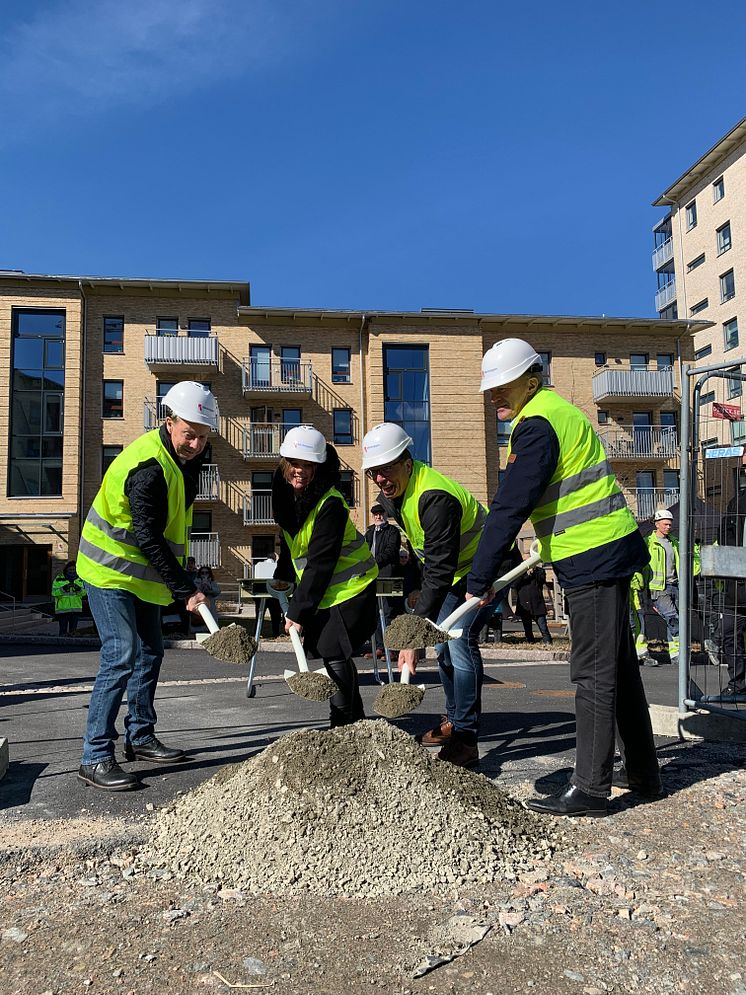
[207, 618]
[507, 578]
[282, 597]
[405, 675]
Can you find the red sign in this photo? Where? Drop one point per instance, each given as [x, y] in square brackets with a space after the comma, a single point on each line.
[731, 412]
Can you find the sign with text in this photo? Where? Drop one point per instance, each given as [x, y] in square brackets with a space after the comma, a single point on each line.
[731, 412]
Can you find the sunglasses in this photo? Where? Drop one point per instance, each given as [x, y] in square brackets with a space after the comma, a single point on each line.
[383, 471]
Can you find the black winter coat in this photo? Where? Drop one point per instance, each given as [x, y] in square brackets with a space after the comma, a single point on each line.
[732, 528]
[530, 591]
[388, 544]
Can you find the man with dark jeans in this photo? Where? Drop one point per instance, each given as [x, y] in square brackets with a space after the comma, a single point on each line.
[733, 600]
[557, 475]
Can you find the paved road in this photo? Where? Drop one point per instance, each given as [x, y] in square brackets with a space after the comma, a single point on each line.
[528, 727]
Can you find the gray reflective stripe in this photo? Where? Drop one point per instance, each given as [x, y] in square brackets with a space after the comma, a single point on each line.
[300, 563]
[591, 475]
[353, 546]
[117, 563]
[122, 535]
[356, 570]
[419, 553]
[476, 528]
[578, 516]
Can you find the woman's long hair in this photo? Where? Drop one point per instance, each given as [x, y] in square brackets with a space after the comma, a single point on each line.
[289, 511]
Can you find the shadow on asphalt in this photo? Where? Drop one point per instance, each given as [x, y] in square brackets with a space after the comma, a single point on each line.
[18, 783]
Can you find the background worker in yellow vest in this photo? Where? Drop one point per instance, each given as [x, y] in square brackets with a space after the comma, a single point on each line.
[558, 475]
[68, 593]
[443, 522]
[322, 553]
[661, 577]
[131, 556]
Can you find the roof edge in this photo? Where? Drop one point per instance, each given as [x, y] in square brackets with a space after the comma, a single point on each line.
[711, 157]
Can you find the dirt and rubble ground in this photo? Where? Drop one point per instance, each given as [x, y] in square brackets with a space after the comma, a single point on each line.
[650, 899]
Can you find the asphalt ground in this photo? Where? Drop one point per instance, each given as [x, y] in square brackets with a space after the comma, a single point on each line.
[528, 726]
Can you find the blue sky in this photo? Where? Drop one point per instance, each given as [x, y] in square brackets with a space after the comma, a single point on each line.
[358, 154]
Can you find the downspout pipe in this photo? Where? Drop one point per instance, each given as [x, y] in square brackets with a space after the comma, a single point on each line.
[364, 489]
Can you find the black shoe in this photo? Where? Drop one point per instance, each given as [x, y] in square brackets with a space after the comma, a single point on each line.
[153, 751]
[570, 801]
[645, 789]
[108, 776]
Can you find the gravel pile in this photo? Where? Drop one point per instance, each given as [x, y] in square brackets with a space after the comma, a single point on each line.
[314, 687]
[358, 810]
[395, 700]
[410, 632]
[233, 644]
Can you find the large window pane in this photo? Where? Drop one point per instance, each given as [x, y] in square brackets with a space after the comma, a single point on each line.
[26, 417]
[24, 478]
[407, 394]
[28, 354]
[114, 334]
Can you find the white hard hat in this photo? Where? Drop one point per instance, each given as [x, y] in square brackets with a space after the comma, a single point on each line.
[383, 444]
[192, 402]
[663, 515]
[304, 442]
[505, 362]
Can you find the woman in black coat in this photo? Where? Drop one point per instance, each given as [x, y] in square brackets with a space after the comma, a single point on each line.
[530, 603]
[308, 472]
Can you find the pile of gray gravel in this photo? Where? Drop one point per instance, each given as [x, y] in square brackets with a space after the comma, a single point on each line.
[359, 810]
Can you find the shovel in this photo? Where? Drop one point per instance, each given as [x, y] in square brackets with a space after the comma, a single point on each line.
[394, 700]
[316, 685]
[226, 647]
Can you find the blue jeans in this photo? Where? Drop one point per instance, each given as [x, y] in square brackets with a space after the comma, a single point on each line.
[461, 671]
[131, 656]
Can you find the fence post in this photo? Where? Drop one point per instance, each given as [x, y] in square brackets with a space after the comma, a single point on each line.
[685, 524]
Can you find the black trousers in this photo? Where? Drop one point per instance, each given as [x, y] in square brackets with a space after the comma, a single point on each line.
[346, 706]
[733, 624]
[609, 693]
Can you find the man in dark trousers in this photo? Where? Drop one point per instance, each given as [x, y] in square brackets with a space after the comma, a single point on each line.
[557, 475]
[384, 541]
[733, 617]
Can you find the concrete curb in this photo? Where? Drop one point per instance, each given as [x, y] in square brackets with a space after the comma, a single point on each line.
[4, 757]
[700, 725]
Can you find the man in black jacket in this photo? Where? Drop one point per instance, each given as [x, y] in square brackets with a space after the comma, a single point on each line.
[384, 541]
[733, 618]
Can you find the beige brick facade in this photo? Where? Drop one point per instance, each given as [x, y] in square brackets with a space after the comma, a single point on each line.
[462, 424]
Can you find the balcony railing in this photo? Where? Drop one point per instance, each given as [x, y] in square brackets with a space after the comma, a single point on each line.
[257, 508]
[262, 440]
[645, 501]
[648, 442]
[633, 383]
[208, 488]
[665, 295]
[663, 254]
[174, 349]
[276, 376]
[205, 548]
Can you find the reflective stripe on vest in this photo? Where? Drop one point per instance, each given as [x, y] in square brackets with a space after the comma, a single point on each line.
[582, 507]
[109, 556]
[473, 515]
[349, 578]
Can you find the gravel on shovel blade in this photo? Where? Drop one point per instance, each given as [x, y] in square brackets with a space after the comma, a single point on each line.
[358, 810]
[314, 687]
[233, 644]
[394, 700]
[410, 632]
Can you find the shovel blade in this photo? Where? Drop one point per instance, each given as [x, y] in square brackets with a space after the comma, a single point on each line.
[289, 673]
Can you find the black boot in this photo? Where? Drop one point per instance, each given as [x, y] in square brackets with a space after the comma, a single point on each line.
[346, 706]
[645, 789]
[153, 751]
[570, 801]
[108, 776]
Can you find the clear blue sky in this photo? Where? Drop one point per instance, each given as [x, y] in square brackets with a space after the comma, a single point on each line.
[350, 153]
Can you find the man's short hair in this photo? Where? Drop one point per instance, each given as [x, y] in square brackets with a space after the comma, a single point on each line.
[377, 509]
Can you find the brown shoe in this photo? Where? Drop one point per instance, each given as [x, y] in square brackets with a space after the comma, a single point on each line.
[459, 753]
[439, 735]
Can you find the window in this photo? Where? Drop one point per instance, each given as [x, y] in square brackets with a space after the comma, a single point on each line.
[342, 418]
[113, 334]
[738, 431]
[638, 360]
[261, 480]
[603, 417]
[292, 417]
[670, 480]
[670, 313]
[341, 366]
[730, 333]
[695, 262]
[37, 394]
[166, 326]
[699, 306]
[262, 547]
[347, 486]
[113, 399]
[600, 358]
[198, 328]
[108, 455]
[406, 393]
[503, 431]
[735, 387]
[691, 215]
[718, 190]
[201, 522]
[664, 360]
[723, 238]
[546, 362]
[290, 364]
[707, 398]
[702, 353]
[727, 286]
[260, 362]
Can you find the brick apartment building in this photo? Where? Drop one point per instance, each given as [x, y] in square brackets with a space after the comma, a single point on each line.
[84, 362]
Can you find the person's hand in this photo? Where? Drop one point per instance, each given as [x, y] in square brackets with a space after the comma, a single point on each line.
[412, 599]
[408, 658]
[290, 624]
[486, 599]
[197, 599]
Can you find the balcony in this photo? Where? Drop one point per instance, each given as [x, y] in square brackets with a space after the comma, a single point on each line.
[174, 350]
[633, 383]
[276, 376]
[665, 295]
[663, 254]
[205, 548]
[208, 488]
[262, 440]
[645, 501]
[648, 442]
[257, 508]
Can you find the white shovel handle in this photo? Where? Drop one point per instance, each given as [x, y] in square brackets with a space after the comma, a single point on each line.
[473, 603]
[207, 618]
[405, 675]
[282, 596]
